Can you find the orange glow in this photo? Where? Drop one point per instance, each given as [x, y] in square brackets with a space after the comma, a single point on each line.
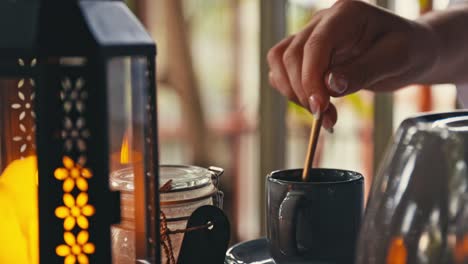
[461, 250]
[69, 223]
[83, 222]
[68, 200]
[19, 213]
[62, 250]
[75, 247]
[61, 174]
[82, 184]
[126, 154]
[68, 185]
[73, 174]
[397, 253]
[125, 150]
[82, 199]
[68, 163]
[75, 211]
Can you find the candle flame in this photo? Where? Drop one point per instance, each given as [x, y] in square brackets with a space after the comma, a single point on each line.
[124, 150]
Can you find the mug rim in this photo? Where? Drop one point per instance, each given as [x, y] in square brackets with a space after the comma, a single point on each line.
[359, 177]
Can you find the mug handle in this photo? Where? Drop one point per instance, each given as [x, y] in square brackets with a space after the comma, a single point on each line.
[287, 222]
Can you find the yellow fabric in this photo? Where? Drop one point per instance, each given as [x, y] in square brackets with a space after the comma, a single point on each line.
[19, 213]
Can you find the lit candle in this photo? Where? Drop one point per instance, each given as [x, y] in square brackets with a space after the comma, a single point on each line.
[127, 163]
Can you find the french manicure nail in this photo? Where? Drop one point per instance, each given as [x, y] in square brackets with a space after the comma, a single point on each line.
[328, 126]
[314, 106]
[337, 83]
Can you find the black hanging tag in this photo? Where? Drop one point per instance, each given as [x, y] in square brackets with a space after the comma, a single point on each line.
[205, 245]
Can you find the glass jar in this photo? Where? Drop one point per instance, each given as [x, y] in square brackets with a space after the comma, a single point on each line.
[183, 190]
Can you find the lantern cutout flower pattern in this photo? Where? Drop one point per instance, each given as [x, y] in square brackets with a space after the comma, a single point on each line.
[76, 210]
[73, 174]
[73, 97]
[25, 109]
[76, 248]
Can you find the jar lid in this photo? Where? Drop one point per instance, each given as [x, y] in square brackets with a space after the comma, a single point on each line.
[183, 177]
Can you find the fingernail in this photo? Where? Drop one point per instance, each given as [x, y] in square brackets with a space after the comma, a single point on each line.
[337, 83]
[314, 106]
[328, 126]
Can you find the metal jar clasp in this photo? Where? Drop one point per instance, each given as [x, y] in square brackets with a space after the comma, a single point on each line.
[219, 196]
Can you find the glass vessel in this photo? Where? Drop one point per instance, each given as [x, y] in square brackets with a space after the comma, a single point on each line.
[183, 190]
[417, 209]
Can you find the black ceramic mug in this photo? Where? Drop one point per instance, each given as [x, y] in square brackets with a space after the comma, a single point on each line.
[316, 221]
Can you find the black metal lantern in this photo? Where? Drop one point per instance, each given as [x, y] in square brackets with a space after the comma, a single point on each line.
[78, 100]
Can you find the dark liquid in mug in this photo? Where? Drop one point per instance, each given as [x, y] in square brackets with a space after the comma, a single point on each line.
[319, 176]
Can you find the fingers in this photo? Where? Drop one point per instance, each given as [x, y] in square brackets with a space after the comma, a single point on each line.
[292, 61]
[278, 76]
[285, 61]
[384, 60]
[349, 47]
[287, 93]
[299, 63]
[340, 30]
[330, 117]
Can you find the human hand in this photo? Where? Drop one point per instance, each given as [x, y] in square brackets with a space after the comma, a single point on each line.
[347, 47]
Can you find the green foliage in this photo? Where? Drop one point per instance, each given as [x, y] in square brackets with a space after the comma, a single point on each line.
[363, 108]
[299, 113]
[298, 17]
[131, 4]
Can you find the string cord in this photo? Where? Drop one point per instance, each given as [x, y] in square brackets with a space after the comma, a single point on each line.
[166, 233]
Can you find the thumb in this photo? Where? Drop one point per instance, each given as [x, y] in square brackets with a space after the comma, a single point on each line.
[388, 57]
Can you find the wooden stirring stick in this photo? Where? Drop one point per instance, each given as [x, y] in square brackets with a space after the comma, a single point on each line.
[313, 139]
